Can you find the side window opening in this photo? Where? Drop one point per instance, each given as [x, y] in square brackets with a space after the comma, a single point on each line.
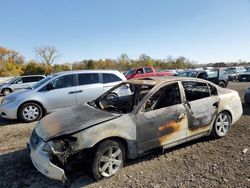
[108, 78]
[166, 96]
[195, 90]
[88, 78]
[63, 82]
[123, 99]
[148, 70]
[212, 90]
[139, 71]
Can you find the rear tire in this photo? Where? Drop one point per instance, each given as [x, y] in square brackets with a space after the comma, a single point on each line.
[108, 159]
[6, 91]
[222, 84]
[30, 112]
[221, 125]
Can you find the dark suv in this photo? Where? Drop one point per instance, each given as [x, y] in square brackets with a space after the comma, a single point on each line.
[215, 76]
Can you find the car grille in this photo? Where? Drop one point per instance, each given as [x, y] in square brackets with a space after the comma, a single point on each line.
[35, 140]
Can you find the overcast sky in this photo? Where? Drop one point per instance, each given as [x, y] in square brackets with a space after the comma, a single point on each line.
[204, 31]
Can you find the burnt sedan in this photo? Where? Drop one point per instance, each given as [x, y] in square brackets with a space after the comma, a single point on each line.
[150, 114]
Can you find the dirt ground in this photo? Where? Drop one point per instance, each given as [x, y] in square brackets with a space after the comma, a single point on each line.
[202, 163]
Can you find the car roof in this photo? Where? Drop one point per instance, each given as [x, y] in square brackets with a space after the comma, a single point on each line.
[32, 75]
[160, 80]
[87, 71]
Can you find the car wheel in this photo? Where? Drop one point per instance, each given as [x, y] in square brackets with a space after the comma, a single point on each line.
[108, 159]
[6, 92]
[222, 84]
[111, 96]
[30, 112]
[221, 125]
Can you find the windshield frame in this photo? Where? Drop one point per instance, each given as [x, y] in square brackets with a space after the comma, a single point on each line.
[43, 81]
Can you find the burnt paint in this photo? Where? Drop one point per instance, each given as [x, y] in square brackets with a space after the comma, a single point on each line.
[168, 128]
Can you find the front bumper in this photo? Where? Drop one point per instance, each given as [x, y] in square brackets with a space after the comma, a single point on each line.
[42, 161]
[9, 110]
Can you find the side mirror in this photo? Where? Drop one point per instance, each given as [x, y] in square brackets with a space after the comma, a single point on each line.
[50, 86]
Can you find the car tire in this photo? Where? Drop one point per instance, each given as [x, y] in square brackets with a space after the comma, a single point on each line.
[6, 91]
[108, 159]
[221, 125]
[111, 96]
[30, 112]
[222, 84]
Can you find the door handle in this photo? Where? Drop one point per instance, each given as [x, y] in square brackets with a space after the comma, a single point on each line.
[216, 104]
[72, 92]
[79, 91]
[181, 116]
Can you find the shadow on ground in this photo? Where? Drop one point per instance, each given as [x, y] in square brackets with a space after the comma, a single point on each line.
[4, 122]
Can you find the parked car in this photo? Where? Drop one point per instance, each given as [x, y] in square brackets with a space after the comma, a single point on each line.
[247, 96]
[233, 72]
[20, 82]
[155, 114]
[58, 91]
[142, 72]
[216, 76]
[242, 77]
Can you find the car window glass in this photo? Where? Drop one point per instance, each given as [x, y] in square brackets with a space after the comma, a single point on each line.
[212, 74]
[195, 90]
[139, 71]
[202, 75]
[107, 78]
[31, 79]
[166, 96]
[63, 82]
[88, 78]
[18, 81]
[148, 70]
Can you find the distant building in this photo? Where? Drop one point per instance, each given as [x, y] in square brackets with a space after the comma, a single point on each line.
[221, 64]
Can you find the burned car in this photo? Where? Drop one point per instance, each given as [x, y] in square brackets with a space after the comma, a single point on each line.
[150, 114]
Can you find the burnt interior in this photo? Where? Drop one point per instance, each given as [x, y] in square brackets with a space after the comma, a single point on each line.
[124, 98]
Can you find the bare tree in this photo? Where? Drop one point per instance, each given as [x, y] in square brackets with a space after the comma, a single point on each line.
[47, 54]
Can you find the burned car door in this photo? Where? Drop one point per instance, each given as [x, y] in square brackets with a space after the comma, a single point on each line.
[162, 118]
[202, 106]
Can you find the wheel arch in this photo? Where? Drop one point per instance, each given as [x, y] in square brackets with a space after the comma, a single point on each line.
[6, 88]
[128, 145]
[44, 111]
[229, 113]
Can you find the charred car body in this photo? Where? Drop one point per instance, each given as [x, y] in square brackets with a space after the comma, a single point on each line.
[156, 113]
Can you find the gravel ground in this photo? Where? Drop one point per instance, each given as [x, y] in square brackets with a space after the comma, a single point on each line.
[202, 163]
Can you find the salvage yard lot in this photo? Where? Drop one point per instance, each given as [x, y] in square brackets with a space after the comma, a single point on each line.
[202, 163]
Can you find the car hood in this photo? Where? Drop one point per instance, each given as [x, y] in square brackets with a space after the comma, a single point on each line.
[71, 120]
[3, 84]
[18, 93]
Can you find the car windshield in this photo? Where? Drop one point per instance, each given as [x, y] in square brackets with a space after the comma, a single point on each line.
[41, 82]
[122, 98]
[9, 80]
[188, 74]
[129, 72]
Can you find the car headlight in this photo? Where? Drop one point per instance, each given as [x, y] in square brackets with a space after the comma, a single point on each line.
[59, 146]
[8, 100]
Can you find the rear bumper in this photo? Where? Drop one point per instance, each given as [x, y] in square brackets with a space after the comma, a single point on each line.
[42, 161]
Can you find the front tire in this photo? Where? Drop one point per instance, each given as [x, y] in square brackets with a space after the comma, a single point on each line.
[222, 84]
[221, 125]
[6, 91]
[30, 112]
[108, 159]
